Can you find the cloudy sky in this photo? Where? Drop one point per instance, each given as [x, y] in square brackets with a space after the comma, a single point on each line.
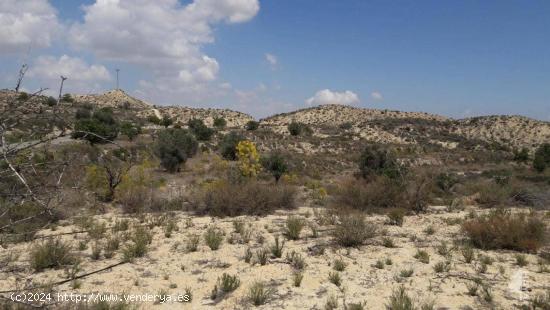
[457, 58]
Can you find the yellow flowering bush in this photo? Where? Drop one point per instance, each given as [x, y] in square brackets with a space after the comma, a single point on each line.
[134, 191]
[249, 160]
[97, 181]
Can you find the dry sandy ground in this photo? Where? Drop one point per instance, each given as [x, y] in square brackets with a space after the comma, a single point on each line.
[168, 266]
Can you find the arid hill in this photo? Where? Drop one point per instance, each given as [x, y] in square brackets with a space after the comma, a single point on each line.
[119, 99]
[115, 98]
[386, 126]
[382, 126]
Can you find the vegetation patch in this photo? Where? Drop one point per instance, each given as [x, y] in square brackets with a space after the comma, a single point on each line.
[501, 229]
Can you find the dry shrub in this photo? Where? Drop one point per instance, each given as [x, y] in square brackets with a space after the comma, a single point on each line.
[50, 254]
[381, 192]
[396, 216]
[419, 191]
[135, 191]
[489, 193]
[253, 198]
[352, 230]
[500, 229]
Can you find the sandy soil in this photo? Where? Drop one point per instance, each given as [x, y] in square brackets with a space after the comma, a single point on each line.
[168, 266]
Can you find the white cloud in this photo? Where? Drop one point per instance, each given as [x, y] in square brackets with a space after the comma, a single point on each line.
[376, 95]
[163, 36]
[27, 24]
[81, 76]
[226, 85]
[272, 60]
[326, 96]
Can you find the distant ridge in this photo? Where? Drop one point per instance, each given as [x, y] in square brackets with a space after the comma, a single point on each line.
[386, 126]
[113, 98]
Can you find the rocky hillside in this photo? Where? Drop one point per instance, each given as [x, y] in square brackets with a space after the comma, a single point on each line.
[383, 126]
[184, 114]
[514, 130]
[332, 114]
[115, 98]
[119, 99]
[386, 126]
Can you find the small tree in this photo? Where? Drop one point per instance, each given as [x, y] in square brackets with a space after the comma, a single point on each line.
[166, 121]
[173, 146]
[107, 173]
[200, 130]
[542, 157]
[228, 146]
[130, 130]
[248, 158]
[101, 127]
[252, 125]
[275, 164]
[220, 122]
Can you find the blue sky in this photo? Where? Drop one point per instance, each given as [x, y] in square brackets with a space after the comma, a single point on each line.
[456, 58]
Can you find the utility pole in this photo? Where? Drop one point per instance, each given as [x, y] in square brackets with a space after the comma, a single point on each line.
[117, 70]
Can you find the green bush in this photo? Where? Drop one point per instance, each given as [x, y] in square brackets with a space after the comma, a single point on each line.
[228, 284]
[252, 125]
[296, 129]
[166, 121]
[542, 157]
[50, 101]
[213, 238]
[130, 130]
[153, 119]
[173, 147]
[275, 164]
[23, 96]
[67, 98]
[346, 126]
[50, 254]
[376, 160]
[101, 127]
[228, 145]
[220, 122]
[200, 130]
